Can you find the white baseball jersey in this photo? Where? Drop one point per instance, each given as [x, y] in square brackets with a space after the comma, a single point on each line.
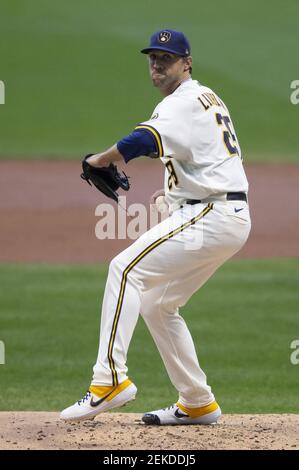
[160, 271]
[197, 143]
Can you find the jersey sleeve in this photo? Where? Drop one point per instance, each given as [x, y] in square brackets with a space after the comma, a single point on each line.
[170, 127]
[139, 142]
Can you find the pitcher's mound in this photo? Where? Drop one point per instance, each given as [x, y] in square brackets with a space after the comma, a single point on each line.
[44, 430]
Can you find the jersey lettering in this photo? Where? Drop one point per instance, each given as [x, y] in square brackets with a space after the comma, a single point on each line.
[229, 137]
[210, 99]
[172, 179]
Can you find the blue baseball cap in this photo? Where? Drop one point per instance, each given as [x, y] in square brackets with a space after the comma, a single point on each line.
[169, 40]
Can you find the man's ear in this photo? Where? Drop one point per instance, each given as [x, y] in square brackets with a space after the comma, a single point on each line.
[188, 63]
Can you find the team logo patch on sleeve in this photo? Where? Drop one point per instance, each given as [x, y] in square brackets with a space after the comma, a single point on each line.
[154, 116]
[164, 36]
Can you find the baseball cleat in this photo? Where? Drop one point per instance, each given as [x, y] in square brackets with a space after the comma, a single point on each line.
[100, 399]
[179, 414]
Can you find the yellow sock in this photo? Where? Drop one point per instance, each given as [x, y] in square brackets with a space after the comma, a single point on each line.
[196, 412]
[104, 390]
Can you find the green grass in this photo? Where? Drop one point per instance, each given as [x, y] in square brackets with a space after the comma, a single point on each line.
[243, 322]
[76, 82]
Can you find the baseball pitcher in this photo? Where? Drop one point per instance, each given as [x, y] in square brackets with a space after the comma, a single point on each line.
[192, 133]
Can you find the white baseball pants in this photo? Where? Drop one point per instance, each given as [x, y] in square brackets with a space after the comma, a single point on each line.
[155, 276]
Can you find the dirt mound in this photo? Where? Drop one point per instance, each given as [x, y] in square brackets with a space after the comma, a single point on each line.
[125, 431]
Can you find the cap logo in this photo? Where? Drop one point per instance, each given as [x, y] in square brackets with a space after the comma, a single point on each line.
[164, 37]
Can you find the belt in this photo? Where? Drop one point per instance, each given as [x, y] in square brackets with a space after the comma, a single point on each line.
[229, 197]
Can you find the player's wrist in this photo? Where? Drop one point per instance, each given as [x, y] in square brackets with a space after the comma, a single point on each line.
[104, 159]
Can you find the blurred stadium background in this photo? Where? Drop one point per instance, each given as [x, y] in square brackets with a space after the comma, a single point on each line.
[75, 79]
[75, 82]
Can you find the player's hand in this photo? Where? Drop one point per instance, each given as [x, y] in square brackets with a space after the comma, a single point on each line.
[103, 159]
[159, 192]
[97, 161]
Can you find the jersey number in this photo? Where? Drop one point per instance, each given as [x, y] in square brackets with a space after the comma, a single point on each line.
[229, 137]
[172, 179]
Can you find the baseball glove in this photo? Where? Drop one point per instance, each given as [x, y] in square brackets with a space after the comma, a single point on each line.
[105, 179]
